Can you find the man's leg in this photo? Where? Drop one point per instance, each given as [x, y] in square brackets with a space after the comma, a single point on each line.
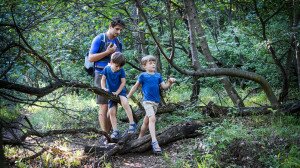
[103, 117]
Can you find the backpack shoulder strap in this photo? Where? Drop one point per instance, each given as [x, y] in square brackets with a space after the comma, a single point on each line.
[102, 42]
[119, 44]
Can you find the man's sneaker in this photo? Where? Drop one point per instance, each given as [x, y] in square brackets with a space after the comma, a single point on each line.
[115, 136]
[132, 128]
[103, 140]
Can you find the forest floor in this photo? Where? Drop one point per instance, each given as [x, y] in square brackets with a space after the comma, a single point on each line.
[251, 150]
[239, 153]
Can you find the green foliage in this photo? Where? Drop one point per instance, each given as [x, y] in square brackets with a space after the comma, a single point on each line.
[73, 112]
[292, 159]
[61, 33]
[9, 114]
[207, 160]
[220, 136]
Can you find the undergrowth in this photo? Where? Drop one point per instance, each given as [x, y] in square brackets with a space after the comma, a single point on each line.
[276, 135]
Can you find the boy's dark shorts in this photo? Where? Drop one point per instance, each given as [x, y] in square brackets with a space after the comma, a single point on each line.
[97, 83]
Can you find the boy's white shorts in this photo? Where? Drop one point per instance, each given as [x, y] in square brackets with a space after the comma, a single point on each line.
[150, 108]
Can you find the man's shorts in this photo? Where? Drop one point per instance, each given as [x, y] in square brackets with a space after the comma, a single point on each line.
[150, 108]
[97, 83]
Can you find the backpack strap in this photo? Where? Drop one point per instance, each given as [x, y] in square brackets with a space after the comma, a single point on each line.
[119, 44]
[103, 42]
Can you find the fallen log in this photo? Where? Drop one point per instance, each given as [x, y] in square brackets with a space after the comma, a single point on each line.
[162, 109]
[216, 111]
[132, 144]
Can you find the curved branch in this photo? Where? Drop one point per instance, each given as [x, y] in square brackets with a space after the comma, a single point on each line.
[171, 30]
[33, 51]
[215, 71]
[138, 4]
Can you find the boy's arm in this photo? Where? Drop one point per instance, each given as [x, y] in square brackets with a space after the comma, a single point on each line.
[133, 89]
[103, 83]
[170, 81]
[122, 85]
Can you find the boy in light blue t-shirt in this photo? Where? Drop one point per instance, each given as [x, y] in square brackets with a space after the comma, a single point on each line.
[151, 82]
[113, 80]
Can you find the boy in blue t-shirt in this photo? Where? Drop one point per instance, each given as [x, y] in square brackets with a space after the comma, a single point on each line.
[151, 82]
[113, 80]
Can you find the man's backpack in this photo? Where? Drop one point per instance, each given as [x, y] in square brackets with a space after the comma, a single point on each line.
[89, 66]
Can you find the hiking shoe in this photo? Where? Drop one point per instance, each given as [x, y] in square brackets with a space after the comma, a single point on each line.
[155, 148]
[103, 140]
[132, 128]
[115, 136]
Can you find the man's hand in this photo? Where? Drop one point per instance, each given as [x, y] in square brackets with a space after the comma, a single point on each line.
[111, 48]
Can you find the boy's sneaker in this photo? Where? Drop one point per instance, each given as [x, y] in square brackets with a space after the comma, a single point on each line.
[132, 128]
[115, 136]
[155, 148]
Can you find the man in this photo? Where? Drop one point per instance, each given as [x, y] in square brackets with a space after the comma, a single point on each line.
[101, 49]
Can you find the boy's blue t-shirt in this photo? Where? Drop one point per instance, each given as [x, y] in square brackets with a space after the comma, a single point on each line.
[95, 47]
[150, 86]
[113, 79]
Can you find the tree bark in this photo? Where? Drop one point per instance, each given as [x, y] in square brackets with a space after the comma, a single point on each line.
[195, 90]
[270, 47]
[295, 36]
[2, 156]
[171, 134]
[195, 23]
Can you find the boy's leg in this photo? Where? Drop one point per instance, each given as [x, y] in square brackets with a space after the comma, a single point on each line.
[151, 108]
[152, 120]
[125, 105]
[155, 146]
[113, 117]
[144, 126]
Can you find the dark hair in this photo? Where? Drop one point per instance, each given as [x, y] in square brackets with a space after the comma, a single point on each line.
[117, 21]
[147, 58]
[118, 58]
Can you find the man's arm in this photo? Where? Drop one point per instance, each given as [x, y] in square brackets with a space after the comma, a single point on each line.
[97, 56]
[133, 89]
[170, 81]
[122, 85]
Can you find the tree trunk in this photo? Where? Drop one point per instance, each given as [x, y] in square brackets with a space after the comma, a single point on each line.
[270, 47]
[297, 54]
[2, 156]
[195, 90]
[139, 35]
[194, 54]
[195, 23]
[295, 31]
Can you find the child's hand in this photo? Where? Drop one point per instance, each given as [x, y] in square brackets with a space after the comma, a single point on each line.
[115, 93]
[172, 80]
[105, 89]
